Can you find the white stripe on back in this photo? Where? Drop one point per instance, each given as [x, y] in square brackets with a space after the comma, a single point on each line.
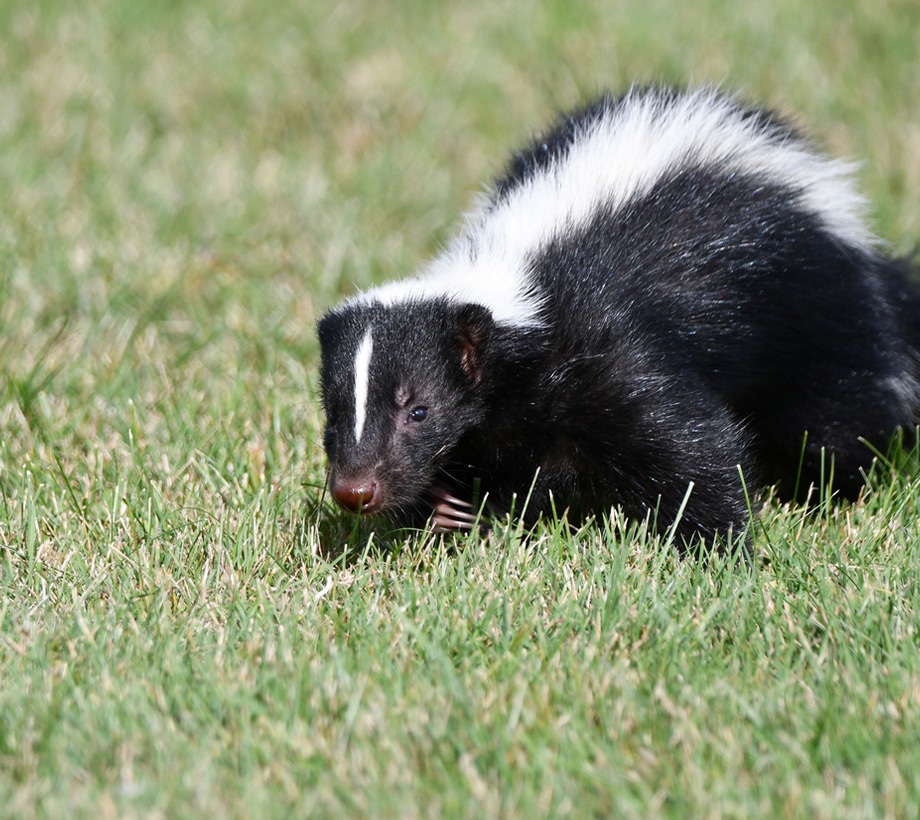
[614, 159]
[362, 381]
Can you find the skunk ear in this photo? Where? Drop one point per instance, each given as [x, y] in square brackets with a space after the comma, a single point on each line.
[473, 325]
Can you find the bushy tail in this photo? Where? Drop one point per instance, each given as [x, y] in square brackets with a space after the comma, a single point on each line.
[905, 282]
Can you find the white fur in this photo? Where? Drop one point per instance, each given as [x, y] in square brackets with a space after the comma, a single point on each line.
[618, 157]
[362, 381]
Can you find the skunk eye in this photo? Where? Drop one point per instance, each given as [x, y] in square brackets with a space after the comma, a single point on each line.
[418, 414]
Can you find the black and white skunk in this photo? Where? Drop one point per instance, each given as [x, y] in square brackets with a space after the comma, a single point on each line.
[661, 299]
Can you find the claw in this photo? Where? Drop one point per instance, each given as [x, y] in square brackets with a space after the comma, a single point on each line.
[440, 494]
[440, 524]
[451, 513]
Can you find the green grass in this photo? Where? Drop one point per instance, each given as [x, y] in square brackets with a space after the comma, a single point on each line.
[187, 629]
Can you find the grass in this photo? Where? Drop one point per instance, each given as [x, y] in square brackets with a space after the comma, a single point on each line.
[188, 629]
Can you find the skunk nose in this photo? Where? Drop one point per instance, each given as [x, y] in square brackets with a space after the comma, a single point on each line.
[359, 497]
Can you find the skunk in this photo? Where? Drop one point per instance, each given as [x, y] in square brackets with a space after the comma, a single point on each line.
[668, 301]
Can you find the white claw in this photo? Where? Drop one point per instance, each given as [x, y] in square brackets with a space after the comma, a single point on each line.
[440, 524]
[451, 513]
[440, 494]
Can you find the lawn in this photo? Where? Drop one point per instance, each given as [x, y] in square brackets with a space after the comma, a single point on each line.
[187, 626]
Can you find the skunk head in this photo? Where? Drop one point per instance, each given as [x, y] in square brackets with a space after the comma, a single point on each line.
[401, 385]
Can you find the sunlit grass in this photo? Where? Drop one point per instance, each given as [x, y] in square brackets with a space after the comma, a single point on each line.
[187, 628]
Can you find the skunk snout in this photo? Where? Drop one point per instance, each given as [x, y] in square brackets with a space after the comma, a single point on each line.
[359, 496]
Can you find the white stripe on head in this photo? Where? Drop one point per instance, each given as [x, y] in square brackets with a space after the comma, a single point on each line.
[362, 381]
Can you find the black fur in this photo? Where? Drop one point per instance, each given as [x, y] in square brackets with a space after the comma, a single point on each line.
[700, 330]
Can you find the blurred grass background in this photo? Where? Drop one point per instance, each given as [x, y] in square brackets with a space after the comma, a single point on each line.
[184, 188]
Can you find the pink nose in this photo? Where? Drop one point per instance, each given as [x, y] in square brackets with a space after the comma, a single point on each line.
[361, 497]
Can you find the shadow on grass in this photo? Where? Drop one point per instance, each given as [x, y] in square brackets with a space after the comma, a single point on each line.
[346, 540]
[340, 538]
